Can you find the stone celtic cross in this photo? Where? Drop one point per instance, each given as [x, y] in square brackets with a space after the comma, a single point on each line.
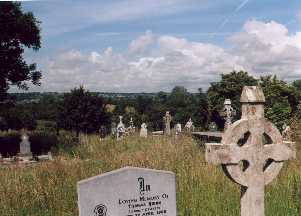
[251, 152]
[167, 119]
[228, 112]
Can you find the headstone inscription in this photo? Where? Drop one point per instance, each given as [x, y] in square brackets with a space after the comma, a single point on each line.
[167, 120]
[143, 130]
[25, 149]
[128, 191]
[245, 157]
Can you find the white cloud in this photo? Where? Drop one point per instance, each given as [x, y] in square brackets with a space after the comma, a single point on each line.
[142, 43]
[260, 48]
[267, 48]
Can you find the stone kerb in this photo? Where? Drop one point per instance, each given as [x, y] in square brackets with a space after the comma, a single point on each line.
[251, 152]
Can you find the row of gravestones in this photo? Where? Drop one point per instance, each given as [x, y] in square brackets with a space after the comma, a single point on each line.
[140, 192]
[121, 130]
[228, 113]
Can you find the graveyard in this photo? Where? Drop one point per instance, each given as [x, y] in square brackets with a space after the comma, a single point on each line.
[150, 108]
[49, 188]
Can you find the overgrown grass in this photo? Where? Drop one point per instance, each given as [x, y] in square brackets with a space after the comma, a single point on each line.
[49, 188]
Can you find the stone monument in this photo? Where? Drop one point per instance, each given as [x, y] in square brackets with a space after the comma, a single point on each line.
[113, 129]
[132, 128]
[167, 119]
[228, 112]
[189, 126]
[120, 129]
[178, 129]
[245, 158]
[25, 150]
[212, 127]
[128, 192]
[143, 130]
[287, 133]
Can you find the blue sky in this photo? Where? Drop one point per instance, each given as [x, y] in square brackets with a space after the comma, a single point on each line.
[152, 45]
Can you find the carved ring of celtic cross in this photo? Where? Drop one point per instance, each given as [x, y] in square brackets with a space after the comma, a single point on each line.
[252, 147]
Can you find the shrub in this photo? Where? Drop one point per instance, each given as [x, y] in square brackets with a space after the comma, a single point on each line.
[9, 143]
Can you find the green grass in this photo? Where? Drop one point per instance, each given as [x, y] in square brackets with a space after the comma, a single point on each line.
[49, 188]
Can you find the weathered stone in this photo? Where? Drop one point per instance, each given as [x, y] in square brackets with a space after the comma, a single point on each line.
[25, 149]
[245, 158]
[287, 133]
[228, 112]
[128, 191]
[120, 129]
[178, 128]
[167, 120]
[189, 127]
[212, 127]
[143, 130]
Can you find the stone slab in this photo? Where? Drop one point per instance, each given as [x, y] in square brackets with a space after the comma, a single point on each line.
[128, 191]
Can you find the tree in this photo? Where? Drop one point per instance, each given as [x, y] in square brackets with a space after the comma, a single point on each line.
[18, 31]
[82, 111]
[297, 85]
[229, 87]
[282, 100]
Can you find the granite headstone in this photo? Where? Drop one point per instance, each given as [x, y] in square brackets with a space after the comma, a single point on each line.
[128, 191]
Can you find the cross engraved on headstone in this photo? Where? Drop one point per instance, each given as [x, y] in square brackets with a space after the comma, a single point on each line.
[251, 152]
[167, 119]
[228, 112]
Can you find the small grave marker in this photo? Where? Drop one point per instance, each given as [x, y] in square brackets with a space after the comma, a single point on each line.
[25, 149]
[143, 130]
[128, 192]
[120, 129]
[228, 112]
[167, 120]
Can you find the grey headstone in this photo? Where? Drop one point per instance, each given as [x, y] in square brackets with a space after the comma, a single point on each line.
[25, 145]
[128, 191]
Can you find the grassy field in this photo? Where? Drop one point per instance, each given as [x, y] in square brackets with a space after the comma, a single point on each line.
[49, 188]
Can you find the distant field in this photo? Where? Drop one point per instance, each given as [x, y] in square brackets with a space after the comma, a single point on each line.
[49, 188]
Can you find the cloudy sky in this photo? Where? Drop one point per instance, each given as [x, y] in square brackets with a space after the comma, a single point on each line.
[153, 45]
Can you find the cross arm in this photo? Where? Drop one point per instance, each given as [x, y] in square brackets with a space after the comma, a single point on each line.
[280, 152]
[217, 153]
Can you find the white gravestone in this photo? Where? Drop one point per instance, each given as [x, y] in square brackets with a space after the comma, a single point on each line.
[143, 130]
[178, 128]
[120, 129]
[189, 125]
[128, 191]
[245, 157]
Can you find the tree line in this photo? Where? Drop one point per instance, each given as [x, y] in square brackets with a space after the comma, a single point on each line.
[82, 111]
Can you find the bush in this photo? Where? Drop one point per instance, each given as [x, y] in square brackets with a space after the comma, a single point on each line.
[9, 143]
[42, 142]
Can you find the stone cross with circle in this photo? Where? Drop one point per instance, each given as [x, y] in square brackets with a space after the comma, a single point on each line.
[251, 152]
